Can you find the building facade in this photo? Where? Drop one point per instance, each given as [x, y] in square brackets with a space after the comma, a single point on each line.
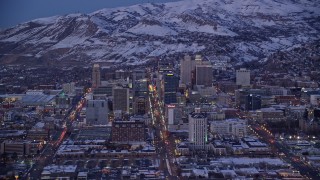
[204, 75]
[198, 129]
[171, 84]
[120, 99]
[253, 102]
[96, 76]
[187, 66]
[243, 77]
[20, 147]
[97, 112]
[69, 88]
[173, 114]
[140, 105]
[128, 131]
[230, 127]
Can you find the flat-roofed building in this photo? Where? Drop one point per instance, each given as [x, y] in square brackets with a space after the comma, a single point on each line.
[97, 112]
[65, 172]
[235, 127]
[187, 66]
[121, 99]
[20, 147]
[204, 75]
[198, 129]
[243, 77]
[128, 131]
[96, 76]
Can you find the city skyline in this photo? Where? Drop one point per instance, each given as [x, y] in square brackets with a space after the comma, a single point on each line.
[193, 89]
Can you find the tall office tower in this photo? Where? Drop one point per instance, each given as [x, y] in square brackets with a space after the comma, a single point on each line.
[171, 84]
[97, 112]
[187, 66]
[198, 59]
[96, 78]
[120, 99]
[204, 75]
[198, 129]
[253, 102]
[165, 67]
[138, 74]
[243, 77]
[140, 87]
[140, 105]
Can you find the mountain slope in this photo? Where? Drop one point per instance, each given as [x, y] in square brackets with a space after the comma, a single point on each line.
[240, 30]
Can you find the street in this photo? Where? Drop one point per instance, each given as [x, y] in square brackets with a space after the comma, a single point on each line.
[47, 156]
[279, 148]
[164, 145]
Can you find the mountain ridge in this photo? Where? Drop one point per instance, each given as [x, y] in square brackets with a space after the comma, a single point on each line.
[241, 31]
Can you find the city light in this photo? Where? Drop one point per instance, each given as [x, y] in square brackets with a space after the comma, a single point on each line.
[178, 90]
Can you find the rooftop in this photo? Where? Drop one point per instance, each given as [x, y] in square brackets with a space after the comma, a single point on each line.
[59, 169]
[37, 99]
[198, 115]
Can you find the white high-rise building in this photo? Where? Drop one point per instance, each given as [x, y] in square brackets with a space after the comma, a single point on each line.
[198, 129]
[232, 127]
[243, 77]
[96, 76]
[187, 66]
[97, 112]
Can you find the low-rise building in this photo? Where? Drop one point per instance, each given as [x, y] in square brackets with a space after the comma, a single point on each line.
[218, 148]
[66, 172]
[182, 149]
[20, 147]
[82, 175]
[270, 114]
[234, 127]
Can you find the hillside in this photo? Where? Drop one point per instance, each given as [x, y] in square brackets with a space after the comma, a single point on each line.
[242, 31]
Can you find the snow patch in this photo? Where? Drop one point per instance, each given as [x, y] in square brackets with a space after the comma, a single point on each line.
[155, 30]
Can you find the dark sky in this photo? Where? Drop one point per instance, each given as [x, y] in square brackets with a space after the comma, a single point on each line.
[13, 12]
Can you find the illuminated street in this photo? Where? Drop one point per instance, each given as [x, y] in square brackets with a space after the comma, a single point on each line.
[164, 144]
[283, 152]
[47, 156]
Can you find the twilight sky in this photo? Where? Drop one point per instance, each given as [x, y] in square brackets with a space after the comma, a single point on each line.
[13, 12]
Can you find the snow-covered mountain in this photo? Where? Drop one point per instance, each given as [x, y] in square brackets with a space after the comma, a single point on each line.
[239, 30]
